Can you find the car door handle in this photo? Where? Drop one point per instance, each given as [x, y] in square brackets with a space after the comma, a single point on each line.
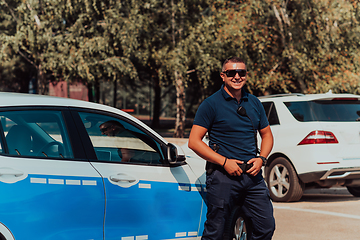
[9, 175]
[123, 180]
[118, 178]
[10, 172]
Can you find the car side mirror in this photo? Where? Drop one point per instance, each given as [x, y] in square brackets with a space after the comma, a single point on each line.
[175, 154]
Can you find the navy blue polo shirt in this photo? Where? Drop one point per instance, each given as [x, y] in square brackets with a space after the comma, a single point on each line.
[234, 134]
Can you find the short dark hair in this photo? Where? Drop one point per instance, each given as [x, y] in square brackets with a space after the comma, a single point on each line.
[233, 60]
[112, 123]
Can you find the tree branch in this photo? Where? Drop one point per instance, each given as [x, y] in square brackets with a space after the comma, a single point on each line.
[27, 59]
[11, 11]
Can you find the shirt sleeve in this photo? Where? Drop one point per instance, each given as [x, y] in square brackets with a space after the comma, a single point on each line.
[204, 115]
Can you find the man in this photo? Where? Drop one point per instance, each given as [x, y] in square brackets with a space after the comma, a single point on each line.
[231, 117]
[113, 128]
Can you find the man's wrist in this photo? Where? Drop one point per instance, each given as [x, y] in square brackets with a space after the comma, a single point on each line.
[224, 162]
[264, 160]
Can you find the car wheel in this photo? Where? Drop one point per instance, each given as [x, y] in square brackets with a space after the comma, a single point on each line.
[283, 183]
[355, 191]
[238, 226]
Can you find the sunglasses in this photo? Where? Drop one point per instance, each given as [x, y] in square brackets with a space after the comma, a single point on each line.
[232, 73]
[104, 129]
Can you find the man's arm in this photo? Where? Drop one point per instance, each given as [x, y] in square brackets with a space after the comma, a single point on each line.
[267, 142]
[200, 148]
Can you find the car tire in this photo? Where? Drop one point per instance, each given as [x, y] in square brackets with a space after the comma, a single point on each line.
[355, 191]
[283, 182]
[238, 226]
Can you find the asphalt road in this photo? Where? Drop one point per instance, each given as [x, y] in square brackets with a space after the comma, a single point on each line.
[329, 214]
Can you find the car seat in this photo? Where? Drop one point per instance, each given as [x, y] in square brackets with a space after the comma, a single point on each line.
[19, 141]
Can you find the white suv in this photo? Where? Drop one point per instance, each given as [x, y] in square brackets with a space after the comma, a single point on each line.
[317, 143]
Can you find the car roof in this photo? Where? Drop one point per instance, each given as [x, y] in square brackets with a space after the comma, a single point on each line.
[308, 97]
[9, 99]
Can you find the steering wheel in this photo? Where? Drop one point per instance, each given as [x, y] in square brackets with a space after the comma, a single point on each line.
[45, 148]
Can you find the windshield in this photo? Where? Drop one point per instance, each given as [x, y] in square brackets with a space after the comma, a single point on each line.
[326, 110]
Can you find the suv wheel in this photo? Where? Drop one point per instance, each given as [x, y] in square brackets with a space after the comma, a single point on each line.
[283, 182]
[355, 191]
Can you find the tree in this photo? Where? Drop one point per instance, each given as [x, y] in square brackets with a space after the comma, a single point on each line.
[101, 37]
[24, 35]
[89, 39]
[295, 46]
[289, 46]
[173, 47]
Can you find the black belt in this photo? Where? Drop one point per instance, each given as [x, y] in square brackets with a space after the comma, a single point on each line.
[211, 167]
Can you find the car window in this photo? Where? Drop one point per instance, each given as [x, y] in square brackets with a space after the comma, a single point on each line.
[39, 133]
[301, 111]
[325, 110]
[271, 113]
[116, 140]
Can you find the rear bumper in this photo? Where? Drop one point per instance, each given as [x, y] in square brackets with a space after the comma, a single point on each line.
[342, 173]
[336, 176]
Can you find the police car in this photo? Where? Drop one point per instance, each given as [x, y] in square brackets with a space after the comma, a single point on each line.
[63, 177]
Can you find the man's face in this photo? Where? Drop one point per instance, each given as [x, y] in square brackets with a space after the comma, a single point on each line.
[237, 82]
[107, 130]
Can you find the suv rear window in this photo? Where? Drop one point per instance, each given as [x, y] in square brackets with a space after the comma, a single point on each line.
[325, 110]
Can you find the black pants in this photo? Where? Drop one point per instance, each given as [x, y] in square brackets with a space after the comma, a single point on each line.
[224, 192]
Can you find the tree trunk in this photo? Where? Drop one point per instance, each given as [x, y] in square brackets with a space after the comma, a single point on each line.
[97, 90]
[42, 89]
[115, 94]
[179, 84]
[157, 104]
[282, 17]
[180, 106]
[90, 92]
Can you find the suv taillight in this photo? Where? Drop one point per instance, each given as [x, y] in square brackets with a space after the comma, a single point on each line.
[318, 137]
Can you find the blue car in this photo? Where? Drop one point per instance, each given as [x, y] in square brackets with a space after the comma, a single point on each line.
[72, 169]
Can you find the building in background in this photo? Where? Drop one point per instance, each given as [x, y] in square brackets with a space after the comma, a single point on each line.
[76, 90]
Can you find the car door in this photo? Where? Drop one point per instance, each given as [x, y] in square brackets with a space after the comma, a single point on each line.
[146, 198]
[48, 188]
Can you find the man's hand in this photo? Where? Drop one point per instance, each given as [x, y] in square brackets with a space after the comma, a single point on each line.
[232, 167]
[255, 169]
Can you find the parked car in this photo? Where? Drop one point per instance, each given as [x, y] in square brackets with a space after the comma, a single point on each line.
[317, 142]
[64, 176]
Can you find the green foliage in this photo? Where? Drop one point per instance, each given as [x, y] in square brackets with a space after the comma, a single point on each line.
[308, 46]
[100, 37]
[175, 37]
[296, 46]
